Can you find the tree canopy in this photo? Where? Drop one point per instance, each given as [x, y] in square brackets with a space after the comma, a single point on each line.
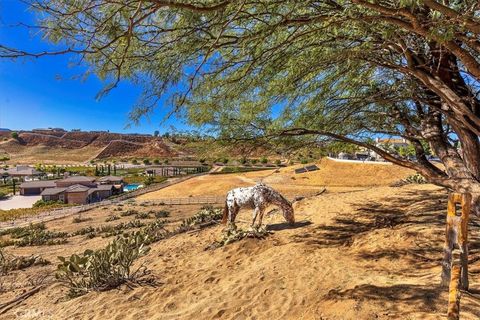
[347, 70]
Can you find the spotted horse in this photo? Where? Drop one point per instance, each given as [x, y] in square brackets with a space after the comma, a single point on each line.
[258, 198]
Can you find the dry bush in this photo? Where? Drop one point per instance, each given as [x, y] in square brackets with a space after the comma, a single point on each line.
[10, 262]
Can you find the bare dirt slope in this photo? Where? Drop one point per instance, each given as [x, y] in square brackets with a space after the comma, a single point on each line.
[336, 176]
[369, 254]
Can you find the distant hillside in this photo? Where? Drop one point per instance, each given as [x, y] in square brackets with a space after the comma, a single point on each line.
[61, 146]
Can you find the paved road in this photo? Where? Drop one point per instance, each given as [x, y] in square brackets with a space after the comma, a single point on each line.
[15, 202]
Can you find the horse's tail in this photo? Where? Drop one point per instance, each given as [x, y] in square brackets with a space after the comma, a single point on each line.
[225, 213]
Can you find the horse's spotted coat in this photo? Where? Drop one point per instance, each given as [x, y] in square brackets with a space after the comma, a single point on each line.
[258, 197]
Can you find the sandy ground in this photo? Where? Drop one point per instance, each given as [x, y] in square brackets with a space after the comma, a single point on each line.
[15, 202]
[362, 250]
[361, 254]
[336, 176]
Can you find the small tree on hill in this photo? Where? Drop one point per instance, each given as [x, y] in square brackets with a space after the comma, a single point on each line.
[156, 133]
[14, 135]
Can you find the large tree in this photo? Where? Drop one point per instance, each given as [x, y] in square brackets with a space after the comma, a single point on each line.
[348, 70]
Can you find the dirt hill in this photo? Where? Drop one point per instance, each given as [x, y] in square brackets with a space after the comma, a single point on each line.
[61, 146]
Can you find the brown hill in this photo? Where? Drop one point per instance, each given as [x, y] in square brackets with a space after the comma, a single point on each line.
[123, 148]
[51, 146]
[35, 139]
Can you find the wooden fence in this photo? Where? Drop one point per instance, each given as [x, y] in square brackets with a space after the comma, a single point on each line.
[188, 200]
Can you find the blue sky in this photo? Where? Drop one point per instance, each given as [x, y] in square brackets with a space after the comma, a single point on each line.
[43, 92]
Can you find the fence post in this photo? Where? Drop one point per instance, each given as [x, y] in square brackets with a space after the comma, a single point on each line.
[456, 234]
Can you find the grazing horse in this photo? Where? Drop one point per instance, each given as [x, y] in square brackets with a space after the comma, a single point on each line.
[258, 197]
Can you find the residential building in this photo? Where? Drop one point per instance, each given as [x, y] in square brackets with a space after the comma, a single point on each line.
[36, 187]
[74, 189]
[116, 181]
[22, 172]
[73, 180]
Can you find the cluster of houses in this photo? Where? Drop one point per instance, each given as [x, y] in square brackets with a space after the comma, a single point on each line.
[20, 172]
[74, 189]
[363, 154]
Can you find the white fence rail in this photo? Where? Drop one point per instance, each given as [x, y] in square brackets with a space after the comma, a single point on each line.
[187, 200]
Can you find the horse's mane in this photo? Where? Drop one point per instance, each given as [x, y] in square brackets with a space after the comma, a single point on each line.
[276, 195]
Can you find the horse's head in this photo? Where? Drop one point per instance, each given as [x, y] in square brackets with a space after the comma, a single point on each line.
[288, 214]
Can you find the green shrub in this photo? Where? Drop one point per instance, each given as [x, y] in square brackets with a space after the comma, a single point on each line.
[127, 213]
[41, 203]
[235, 234]
[155, 231]
[103, 269]
[278, 162]
[112, 218]
[264, 160]
[416, 179]
[83, 231]
[205, 215]
[161, 214]
[149, 180]
[40, 237]
[81, 219]
[142, 215]
[20, 232]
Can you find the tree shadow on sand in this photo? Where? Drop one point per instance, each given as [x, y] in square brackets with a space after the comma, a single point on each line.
[286, 225]
[418, 216]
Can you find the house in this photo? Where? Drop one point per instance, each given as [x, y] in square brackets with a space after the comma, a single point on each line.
[101, 192]
[22, 172]
[389, 144]
[116, 181]
[78, 194]
[73, 180]
[74, 190]
[36, 187]
[110, 180]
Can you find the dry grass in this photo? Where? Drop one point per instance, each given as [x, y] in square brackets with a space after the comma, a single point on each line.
[47, 155]
[336, 176]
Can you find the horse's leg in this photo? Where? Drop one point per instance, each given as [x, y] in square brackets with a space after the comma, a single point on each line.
[232, 214]
[256, 210]
[262, 211]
